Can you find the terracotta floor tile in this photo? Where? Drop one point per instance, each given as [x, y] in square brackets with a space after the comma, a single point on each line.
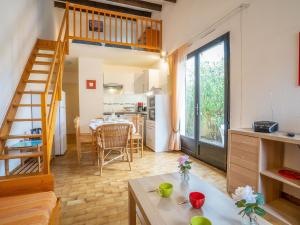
[88, 199]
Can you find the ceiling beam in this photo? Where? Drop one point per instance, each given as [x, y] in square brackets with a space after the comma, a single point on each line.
[139, 4]
[99, 5]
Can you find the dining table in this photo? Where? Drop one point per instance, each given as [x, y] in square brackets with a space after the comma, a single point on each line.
[96, 123]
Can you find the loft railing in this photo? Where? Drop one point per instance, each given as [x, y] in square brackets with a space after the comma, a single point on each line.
[113, 28]
[54, 84]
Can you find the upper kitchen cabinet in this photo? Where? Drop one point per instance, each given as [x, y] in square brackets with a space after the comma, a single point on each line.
[146, 81]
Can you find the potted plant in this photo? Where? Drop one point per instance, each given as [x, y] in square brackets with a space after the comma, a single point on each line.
[250, 202]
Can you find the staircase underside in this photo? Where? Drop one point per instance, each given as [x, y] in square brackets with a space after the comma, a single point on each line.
[31, 86]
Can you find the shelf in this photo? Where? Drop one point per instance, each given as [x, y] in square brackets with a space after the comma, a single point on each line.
[284, 210]
[273, 173]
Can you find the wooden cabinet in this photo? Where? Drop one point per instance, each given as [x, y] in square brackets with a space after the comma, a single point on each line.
[254, 159]
[150, 38]
[243, 159]
[244, 151]
[241, 176]
[146, 81]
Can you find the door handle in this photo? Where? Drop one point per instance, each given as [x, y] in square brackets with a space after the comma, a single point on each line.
[197, 109]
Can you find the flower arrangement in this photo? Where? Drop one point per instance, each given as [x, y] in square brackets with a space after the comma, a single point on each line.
[184, 164]
[250, 201]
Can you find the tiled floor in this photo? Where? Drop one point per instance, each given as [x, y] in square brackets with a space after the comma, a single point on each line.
[90, 199]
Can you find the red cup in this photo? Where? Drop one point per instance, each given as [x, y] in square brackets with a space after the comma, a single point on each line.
[197, 199]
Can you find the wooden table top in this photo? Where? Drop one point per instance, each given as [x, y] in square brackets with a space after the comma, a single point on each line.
[218, 207]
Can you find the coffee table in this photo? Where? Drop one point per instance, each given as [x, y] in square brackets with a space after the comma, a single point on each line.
[154, 210]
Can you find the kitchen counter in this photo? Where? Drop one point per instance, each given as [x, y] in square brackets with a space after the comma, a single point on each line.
[122, 113]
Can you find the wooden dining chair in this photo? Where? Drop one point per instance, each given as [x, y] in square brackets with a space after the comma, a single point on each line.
[138, 136]
[83, 140]
[112, 138]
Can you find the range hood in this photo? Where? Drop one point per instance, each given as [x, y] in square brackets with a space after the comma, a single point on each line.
[113, 86]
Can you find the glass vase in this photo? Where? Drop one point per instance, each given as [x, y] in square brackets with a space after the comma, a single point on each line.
[249, 219]
[185, 175]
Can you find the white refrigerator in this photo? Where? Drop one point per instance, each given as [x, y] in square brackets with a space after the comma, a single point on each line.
[158, 127]
[60, 136]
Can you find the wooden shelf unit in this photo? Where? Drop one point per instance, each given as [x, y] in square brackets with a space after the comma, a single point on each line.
[273, 173]
[254, 159]
[284, 210]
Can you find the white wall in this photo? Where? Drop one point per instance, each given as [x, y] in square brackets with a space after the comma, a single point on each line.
[19, 31]
[22, 22]
[264, 56]
[71, 88]
[90, 100]
[264, 48]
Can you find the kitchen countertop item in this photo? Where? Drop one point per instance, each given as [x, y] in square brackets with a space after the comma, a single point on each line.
[122, 113]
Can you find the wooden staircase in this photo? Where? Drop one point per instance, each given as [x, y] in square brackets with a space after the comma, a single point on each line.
[41, 80]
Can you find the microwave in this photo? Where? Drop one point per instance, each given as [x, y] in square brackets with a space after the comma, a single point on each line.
[151, 102]
[151, 114]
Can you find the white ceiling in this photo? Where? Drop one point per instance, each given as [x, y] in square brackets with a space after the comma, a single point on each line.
[109, 55]
[162, 2]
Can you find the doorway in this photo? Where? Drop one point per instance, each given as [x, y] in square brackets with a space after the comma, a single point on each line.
[205, 118]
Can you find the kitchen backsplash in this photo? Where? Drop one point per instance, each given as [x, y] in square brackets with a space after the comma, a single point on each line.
[116, 103]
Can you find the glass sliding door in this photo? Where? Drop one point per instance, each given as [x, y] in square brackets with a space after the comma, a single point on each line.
[212, 95]
[188, 119]
[209, 67]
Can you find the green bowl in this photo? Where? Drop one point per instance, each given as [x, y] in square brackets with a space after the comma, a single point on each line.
[165, 190]
[200, 220]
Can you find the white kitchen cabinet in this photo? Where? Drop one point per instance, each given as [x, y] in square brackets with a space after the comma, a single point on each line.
[147, 80]
[139, 84]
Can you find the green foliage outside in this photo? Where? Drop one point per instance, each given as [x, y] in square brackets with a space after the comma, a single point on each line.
[211, 100]
[190, 100]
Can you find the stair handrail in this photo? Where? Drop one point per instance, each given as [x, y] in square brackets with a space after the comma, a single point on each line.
[48, 117]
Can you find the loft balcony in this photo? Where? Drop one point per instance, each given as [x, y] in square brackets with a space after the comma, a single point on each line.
[114, 29]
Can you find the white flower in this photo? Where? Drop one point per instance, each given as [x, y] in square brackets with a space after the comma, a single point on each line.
[245, 193]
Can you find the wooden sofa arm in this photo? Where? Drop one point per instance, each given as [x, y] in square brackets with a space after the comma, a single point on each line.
[26, 185]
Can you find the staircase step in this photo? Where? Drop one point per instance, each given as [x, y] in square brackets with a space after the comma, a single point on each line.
[21, 155]
[21, 136]
[22, 148]
[24, 119]
[28, 105]
[33, 92]
[42, 63]
[47, 48]
[36, 81]
[40, 71]
[44, 55]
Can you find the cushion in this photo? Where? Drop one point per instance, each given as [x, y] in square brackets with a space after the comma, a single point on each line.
[30, 209]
